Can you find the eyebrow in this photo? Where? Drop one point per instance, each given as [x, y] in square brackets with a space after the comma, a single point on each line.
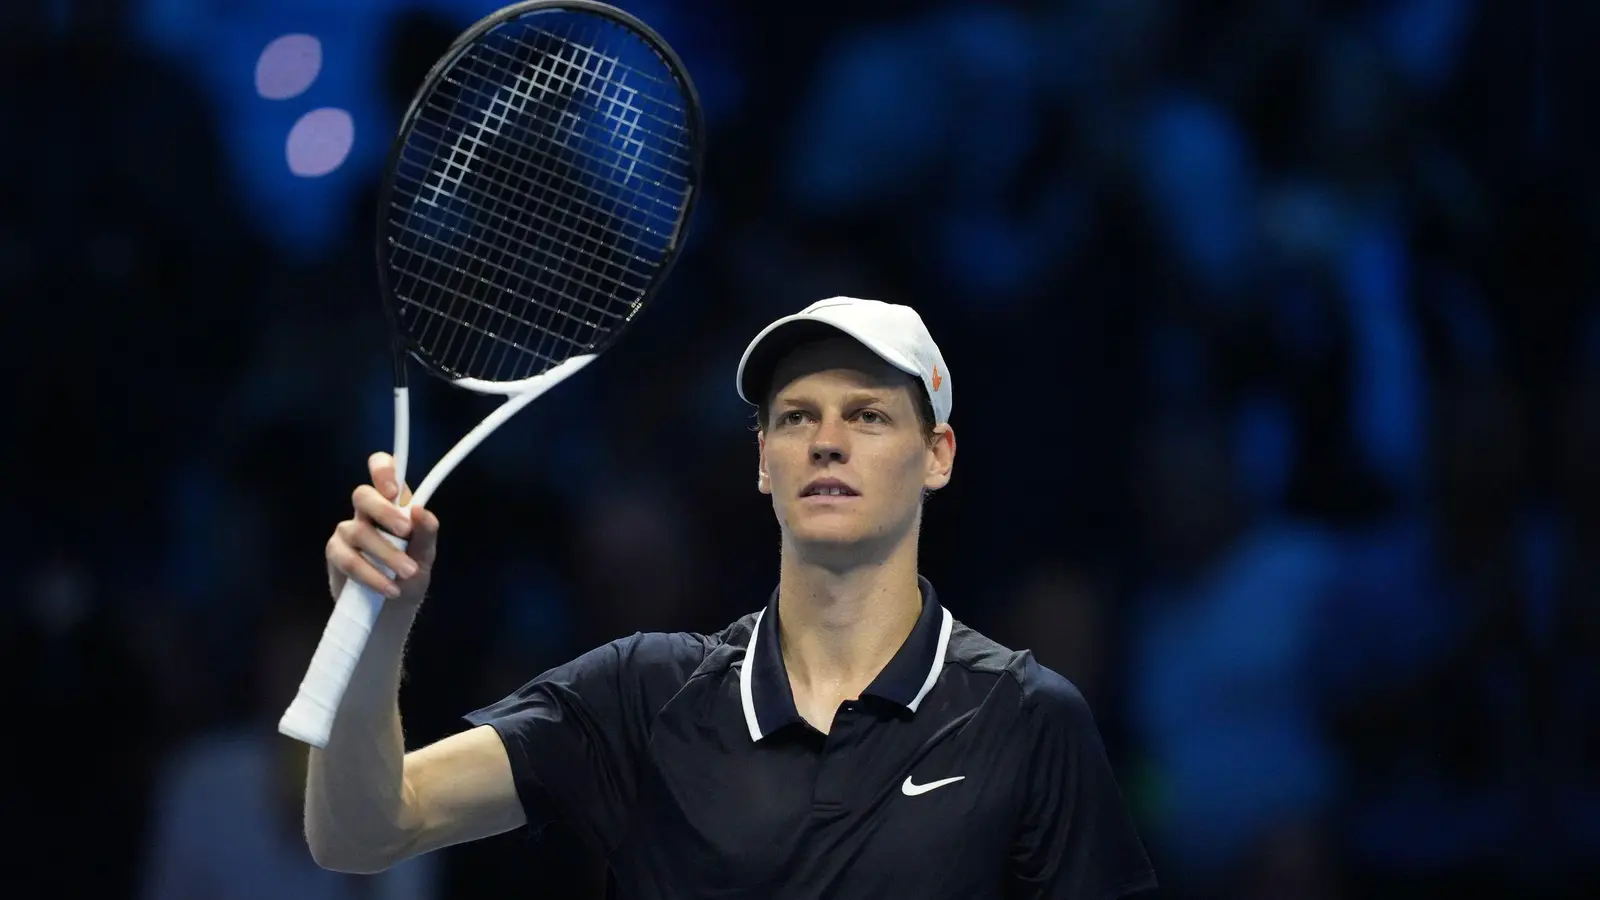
[857, 398]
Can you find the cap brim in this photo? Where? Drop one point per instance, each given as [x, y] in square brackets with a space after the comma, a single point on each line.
[761, 358]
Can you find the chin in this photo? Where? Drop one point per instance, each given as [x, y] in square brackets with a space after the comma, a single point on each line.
[844, 537]
[827, 534]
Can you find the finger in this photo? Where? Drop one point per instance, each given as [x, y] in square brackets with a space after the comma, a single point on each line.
[346, 559]
[376, 546]
[381, 466]
[424, 538]
[372, 506]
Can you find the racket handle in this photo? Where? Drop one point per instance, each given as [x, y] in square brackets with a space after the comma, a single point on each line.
[309, 719]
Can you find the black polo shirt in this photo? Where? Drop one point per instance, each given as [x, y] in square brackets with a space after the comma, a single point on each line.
[965, 771]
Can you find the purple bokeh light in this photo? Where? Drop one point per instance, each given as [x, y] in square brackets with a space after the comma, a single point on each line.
[288, 66]
[320, 142]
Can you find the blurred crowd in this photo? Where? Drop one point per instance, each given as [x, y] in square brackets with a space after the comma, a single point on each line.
[1276, 341]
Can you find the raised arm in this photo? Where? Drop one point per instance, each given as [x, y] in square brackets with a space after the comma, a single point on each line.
[369, 804]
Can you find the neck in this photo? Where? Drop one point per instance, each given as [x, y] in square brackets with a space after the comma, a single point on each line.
[839, 626]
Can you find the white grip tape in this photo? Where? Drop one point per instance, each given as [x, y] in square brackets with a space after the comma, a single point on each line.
[309, 718]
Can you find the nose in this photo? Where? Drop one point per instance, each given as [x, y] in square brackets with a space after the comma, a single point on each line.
[828, 443]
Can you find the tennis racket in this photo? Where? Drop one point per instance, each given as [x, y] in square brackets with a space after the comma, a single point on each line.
[534, 200]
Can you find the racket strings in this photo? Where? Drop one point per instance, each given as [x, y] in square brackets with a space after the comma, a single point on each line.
[535, 198]
[502, 267]
[501, 214]
[525, 84]
[527, 152]
[531, 161]
[614, 77]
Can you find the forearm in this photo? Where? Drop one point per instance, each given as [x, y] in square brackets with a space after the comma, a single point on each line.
[357, 813]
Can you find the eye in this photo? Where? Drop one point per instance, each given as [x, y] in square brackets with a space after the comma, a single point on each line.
[871, 417]
[792, 417]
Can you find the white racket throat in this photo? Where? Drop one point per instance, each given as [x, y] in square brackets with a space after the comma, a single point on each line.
[518, 394]
[309, 718]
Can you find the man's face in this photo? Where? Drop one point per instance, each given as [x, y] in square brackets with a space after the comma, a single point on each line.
[843, 453]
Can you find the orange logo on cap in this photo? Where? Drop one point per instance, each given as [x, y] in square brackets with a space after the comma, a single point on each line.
[937, 378]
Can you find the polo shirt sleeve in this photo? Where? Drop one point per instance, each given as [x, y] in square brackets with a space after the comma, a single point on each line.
[576, 735]
[1077, 839]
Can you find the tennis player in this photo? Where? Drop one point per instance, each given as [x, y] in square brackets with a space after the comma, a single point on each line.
[850, 739]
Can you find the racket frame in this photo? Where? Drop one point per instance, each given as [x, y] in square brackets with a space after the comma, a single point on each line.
[309, 718]
[695, 130]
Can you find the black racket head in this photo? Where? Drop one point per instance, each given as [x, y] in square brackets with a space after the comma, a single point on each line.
[538, 191]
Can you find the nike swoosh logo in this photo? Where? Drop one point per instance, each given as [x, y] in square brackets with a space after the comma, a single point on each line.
[912, 790]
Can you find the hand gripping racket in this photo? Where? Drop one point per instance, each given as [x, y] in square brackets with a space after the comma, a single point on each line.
[534, 201]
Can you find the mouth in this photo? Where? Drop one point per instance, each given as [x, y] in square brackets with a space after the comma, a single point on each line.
[828, 487]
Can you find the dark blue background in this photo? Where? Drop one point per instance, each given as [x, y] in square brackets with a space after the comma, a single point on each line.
[1273, 330]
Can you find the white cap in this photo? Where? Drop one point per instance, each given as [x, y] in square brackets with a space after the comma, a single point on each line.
[893, 332]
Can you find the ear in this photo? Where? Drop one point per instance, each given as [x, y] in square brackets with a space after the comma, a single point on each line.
[941, 457]
[763, 480]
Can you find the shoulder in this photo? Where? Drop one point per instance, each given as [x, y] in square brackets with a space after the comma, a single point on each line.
[1044, 696]
[651, 658]
[976, 652]
[725, 649]
[660, 649]
[1045, 691]
[1049, 701]
[736, 635]
[673, 657]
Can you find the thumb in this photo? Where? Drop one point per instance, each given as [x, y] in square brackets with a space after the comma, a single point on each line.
[422, 542]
